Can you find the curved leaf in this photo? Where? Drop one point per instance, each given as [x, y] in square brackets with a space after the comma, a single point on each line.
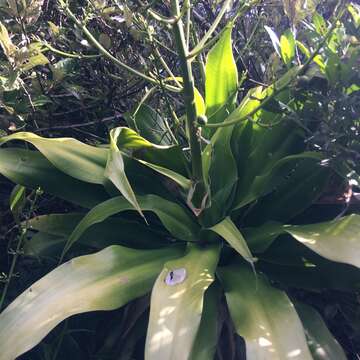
[228, 230]
[263, 316]
[115, 171]
[177, 303]
[33, 170]
[166, 160]
[102, 281]
[337, 240]
[322, 344]
[174, 217]
[74, 158]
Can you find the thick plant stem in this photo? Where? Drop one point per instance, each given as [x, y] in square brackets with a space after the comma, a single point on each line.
[199, 194]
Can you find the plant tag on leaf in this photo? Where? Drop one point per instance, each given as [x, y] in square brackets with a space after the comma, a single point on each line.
[176, 276]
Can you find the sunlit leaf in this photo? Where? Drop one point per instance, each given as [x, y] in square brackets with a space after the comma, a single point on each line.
[33, 170]
[103, 281]
[337, 240]
[320, 24]
[263, 316]
[274, 39]
[354, 10]
[6, 44]
[287, 46]
[74, 158]
[221, 79]
[177, 303]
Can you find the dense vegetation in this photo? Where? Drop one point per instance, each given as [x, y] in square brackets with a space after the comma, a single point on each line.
[190, 167]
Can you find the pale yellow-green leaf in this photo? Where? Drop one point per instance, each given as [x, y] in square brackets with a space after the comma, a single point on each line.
[177, 303]
[74, 158]
[354, 10]
[264, 316]
[287, 46]
[199, 103]
[8, 47]
[337, 240]
[102, 281]
[221, 78]
[34, 60]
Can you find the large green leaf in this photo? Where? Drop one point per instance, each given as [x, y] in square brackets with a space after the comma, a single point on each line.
[228, 230]
[102, 281]
[292, 264]
[298, 190]
[263, 316]
[74, 158]
[266, 182]
[175, 218]
[322, 344]
[269, 146]
[337, 240]
[53, 231]
[177, 303]
[222, 175]
[33, 170]
[221, 79]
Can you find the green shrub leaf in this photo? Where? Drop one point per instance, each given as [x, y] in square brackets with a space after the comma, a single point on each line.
[174, 217]
[337, 240]
[102, 281]
[33, 170]
[177, 303]
[74, 158]
[263, 316]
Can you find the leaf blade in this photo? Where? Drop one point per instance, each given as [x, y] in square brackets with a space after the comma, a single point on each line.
[176, 309]
[102, 281]
[263, 316]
